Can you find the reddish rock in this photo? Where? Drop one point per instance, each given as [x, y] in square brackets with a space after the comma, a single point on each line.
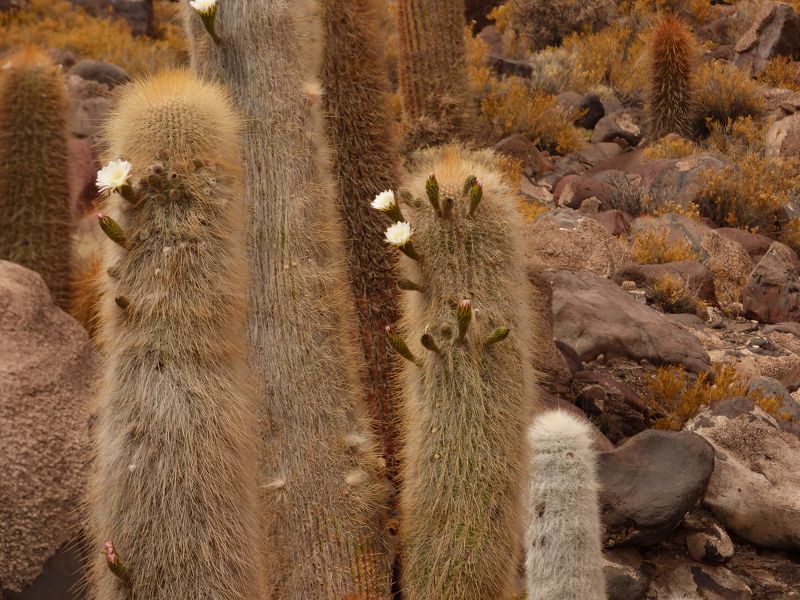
[616, 222]
[82, 175]
[47, 375]
[625, 125]
[775, 32]
[572, 190]
[772, 294]
[534, 161]
[755, 244]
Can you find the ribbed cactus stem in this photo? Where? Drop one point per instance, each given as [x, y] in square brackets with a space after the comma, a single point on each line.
[34, 172]
[175, 483]
[562, 537]
[324, 534]
[467, 404]
[671, 101]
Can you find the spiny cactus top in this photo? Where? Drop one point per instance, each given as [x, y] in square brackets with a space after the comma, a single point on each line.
[468, 379]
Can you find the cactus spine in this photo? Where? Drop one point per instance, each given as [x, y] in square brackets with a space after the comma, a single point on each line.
[34, 190]
[469, 383]
[432, 69]
[671, 101]
[324, 497]
[364, 164]
[175, 483]
[564, 558]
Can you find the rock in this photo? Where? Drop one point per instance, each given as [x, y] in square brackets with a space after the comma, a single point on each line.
[650, 483]
[775, 32]
[566, 239]
[90, 103]
[755, 244]
[772, 294]
[616, 222]
[101, 72]
[696, 276]
[14, 5]
[504, 66]
[138, 13]
[677, 180]
[47, 374]
[61, 577]
[582, 161]
[706, 540]
[614, 407]
[783, 137]
[534, 162]
[791, 327]
[572, 190]
[594, 316]
[478, 11]
[679, 579]
[627, 577]
[625, 124]
[589, 107]
[755, 488]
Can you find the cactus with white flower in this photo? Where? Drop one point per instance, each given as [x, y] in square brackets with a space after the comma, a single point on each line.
[207, 11]
[564, 551]
[324, 493]
[174, 484]
[34, 171]
[466, 333]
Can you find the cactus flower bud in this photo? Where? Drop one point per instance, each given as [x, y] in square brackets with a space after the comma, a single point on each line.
[469, 182]
[429, 343]
[112, 229]
[114, 562]
[499, 335]
[475, 196]
[400, 346]
[432, 190]
[122, 302]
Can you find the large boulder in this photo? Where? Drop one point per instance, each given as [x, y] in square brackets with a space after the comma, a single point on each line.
[775, 32]
[47, 374]
[772, 294]
[695, 276]
[137, 13]
[566, 239]
[755, 488]
[594, 316]
[650, 483]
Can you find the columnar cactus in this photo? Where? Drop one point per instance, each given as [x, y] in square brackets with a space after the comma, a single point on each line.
[432, 69]
[671, 101]
[364, 164]
[173, 500]
[324, 497]
[564, 558]
[468, 378]
[34, 187]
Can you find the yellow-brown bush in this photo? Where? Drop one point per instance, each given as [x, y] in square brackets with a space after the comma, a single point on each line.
[675, 208]
[735, 139]
[670, 146]
[57, 24]
[782, 72]
[749, 194]
[725, 95]
[673, 295]
[653, 246]
[675, 396]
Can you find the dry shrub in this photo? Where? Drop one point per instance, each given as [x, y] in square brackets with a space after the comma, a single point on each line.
[675, 396]
[509, 106]
[653, 246]
[674, 295]
[782, 72]
[543, 23]
[750, 194]
[674, 208]
[725, 95]
[735, 139]
[790, 234]
[672, 147]
[700, 11]
[57, 24]
[772, 405]
[626, 195]
[531, 210]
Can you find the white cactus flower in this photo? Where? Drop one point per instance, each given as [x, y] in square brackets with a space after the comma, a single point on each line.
[398, 234]
[114, 175]
[384, 201]
[204, 7]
